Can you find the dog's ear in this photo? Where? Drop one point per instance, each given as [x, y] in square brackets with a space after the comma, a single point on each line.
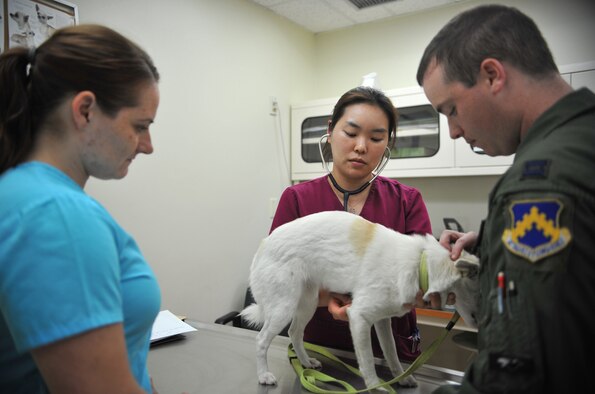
[442, 273]
[468, 265]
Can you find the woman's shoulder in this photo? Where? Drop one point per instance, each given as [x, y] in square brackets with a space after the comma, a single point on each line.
[310, 187]
[309, 197]
[39, 191]
[34, 185]
[384, 184]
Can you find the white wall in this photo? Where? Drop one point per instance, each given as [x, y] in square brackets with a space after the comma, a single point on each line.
[199, 205]
[393, 47]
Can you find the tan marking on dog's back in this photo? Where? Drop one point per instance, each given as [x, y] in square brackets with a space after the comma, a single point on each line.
[361, 234]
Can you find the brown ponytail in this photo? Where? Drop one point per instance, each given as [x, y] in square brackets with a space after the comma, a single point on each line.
[15, 130]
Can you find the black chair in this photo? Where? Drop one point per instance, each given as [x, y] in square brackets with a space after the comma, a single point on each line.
[237, 320]
[452, 224]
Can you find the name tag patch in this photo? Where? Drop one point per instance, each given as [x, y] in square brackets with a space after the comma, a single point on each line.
[535, 231]
[536, 169]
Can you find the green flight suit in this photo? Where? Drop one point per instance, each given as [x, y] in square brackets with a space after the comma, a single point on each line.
[539, 336]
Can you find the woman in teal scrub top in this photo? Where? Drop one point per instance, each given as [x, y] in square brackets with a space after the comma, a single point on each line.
[77, 298]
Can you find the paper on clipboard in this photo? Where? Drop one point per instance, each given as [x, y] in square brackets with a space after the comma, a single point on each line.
[168, 326]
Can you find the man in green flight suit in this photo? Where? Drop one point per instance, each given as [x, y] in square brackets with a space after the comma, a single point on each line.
[491, 73]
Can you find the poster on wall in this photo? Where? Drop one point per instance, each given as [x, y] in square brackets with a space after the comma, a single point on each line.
[1, 27]
[29, 23]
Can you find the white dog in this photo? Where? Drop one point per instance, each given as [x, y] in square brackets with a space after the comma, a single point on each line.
[26, 36]
[45, 28]
[22, 20]
[25, 39]
[344, 253]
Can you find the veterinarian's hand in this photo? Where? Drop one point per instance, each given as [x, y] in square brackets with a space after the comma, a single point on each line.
[456, 242]
[337, 306]
[435, 301]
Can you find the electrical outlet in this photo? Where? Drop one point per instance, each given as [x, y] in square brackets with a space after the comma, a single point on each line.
[274, 106]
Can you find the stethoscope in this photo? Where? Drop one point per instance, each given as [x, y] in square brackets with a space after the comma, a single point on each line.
[349, 193]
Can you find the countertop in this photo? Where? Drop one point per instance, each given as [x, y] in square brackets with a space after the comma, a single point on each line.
[221, 359]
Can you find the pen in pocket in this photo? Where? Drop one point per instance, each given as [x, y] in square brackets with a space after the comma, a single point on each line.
[510, 292]
[500, 292]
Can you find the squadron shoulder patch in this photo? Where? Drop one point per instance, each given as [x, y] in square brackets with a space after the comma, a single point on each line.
[535, 231]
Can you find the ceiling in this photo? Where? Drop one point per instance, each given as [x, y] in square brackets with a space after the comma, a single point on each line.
[325, 15]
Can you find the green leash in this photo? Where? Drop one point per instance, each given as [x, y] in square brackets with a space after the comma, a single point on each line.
[309, 377]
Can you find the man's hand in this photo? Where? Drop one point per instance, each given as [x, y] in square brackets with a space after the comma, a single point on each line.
[456, 242]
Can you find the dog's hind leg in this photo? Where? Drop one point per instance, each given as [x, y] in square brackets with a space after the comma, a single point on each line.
[263, 341]
[276, 318]
[387, 344]
[304, 312]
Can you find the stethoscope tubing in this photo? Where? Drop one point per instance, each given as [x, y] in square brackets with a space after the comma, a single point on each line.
[349, 193]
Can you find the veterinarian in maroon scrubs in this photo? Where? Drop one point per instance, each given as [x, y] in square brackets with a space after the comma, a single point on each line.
[361, 132]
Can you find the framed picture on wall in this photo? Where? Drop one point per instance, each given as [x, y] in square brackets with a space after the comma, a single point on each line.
[29, 23]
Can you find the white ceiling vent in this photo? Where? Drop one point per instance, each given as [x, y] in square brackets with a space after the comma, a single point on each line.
[368, 3]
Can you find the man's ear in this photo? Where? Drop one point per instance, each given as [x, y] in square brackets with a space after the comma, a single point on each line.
[83, 106]
[492, 71]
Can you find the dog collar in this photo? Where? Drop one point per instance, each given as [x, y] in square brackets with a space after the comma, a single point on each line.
[423, 273]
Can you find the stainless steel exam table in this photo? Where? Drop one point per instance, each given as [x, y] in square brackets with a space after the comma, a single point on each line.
[219, 359]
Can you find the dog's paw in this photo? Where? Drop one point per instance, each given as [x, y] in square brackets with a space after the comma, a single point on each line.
[409, 381]
[372, 382]
[267, 378]
[313, 364]
[380, 390]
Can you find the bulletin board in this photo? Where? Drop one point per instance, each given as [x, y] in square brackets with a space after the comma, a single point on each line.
[29, 23]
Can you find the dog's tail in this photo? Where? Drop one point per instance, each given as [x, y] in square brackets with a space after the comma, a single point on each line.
[253, 315]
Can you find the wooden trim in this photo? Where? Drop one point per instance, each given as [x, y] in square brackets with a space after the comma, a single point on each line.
[434, 313]
[439, 318]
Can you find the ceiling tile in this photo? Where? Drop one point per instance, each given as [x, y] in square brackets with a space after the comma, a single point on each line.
[315, 15]
[325, 15]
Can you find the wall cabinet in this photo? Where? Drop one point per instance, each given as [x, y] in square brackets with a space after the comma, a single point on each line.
[579, 75]
[423, 148]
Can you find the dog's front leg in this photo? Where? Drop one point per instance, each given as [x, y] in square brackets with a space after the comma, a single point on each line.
[362, 344]
[387, 343]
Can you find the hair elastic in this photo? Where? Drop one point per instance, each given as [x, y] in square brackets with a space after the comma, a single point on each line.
[30, 60]
[31, 55]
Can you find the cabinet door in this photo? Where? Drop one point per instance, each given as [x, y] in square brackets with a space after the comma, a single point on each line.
[583, 79]
[308, 124]
[423, 143]
[465, 156]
